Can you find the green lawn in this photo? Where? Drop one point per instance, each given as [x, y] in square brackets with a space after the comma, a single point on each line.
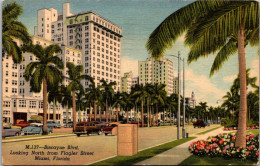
[32, 136]
[198, 160]
[254, 131]
[204, 132]
[143, 155]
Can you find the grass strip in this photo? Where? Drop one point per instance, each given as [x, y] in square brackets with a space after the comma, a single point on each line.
[142, 155]
[200, 160]
[204, 132]
[32, 136]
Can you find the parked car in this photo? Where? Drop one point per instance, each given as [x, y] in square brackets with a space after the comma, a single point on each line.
[34, 128]
[102, 125]
[8, 131]
[108, 130]
[22, 124]
[207, 124]
[52, 124]
[69, 124]
[199, 124]
[9, 125]
[87, 128]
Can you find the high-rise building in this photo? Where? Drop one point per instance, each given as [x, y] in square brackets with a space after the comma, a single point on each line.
[128, 81]
[161, 72]
[98, 38]
[19, 102]
[191, 101]
[176, 85]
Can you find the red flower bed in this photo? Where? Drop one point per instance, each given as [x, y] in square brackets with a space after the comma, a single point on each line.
[224, 145]
[235, 128]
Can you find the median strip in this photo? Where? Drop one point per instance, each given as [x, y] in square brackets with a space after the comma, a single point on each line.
[204, 132]
[142, 155]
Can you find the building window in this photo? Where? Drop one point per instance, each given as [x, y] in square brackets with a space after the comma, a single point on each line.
[6, 73]
[6, 81]
[6, 103]
[6, 89]
[6, 65]
[32, 104]
[14, 90]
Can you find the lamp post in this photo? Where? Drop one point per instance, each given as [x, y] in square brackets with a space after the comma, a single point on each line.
[179, 96]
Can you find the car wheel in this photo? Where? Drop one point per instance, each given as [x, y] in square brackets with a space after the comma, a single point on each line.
[78, 135]
[106, 134]
[17, 134]
[88, 134]
[99, 133]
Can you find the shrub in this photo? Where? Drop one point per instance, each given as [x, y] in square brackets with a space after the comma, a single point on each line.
[223, 145]
[229, 122]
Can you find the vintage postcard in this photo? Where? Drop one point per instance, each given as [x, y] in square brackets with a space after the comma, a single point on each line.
[130, 82]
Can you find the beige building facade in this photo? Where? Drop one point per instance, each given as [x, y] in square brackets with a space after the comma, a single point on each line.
[152, 72]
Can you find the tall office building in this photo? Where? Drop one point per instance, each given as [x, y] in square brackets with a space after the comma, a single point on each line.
[191, 101]
[128, 81]
[19, 102]
[161, 72]
[98, 38]
[175, 85]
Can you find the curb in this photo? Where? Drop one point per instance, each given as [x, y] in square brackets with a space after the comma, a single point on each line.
[36, 138]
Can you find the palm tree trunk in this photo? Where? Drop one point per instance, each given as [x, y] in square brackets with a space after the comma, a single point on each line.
[117, 118]
[106, 111]
[67, 113]
[241, 132]
[74, 110]
[150, 116]
[79, 116]
[54, 110]
[148, 124]
[44, 129]
[90, 112]
[142, 105]
[100, 113]
[95, 110]
[156, 114]
[126, 114]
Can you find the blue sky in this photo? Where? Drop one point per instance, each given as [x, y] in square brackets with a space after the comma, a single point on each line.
[138, 18]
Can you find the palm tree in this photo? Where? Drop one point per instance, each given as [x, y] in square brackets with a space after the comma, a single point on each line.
[231, 100]
[80, 104]
[66, 101]
[129, 103]
[75, 77]
[203, 106]
[54, 96]
[118, 101]
[93, 93]
[159, 96]
[108, 93]
[140, 95]
[13, 29]
[44, 71]
[211, 26]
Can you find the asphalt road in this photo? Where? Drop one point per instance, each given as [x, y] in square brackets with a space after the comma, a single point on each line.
[85, 150]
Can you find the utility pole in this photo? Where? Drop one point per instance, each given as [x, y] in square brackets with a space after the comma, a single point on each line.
[179, 96]
[183, 129]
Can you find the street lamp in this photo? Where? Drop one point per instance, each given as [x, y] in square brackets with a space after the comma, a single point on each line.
[179, 108]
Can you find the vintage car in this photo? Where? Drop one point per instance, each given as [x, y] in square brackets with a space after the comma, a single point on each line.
[108, 130]
[8, 131]
[87, 128]
[34, 128]
[102, 125]
[199, 124]
[52, 124]
[9, 125]
[22, 124]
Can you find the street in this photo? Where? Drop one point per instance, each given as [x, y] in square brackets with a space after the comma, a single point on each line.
[84, 149]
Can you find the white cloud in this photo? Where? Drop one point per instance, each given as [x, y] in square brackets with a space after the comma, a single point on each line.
[203, 88]
[129, 64]
[229, 78]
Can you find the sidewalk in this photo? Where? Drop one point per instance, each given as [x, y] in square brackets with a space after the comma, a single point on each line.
[176, 155]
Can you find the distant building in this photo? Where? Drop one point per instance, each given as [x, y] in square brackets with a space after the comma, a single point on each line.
[191, 101]
[161, 72]
[175, 85]
[127, 81]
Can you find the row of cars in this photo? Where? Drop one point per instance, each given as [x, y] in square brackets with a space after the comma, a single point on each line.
[26, 128]
[87, 128]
